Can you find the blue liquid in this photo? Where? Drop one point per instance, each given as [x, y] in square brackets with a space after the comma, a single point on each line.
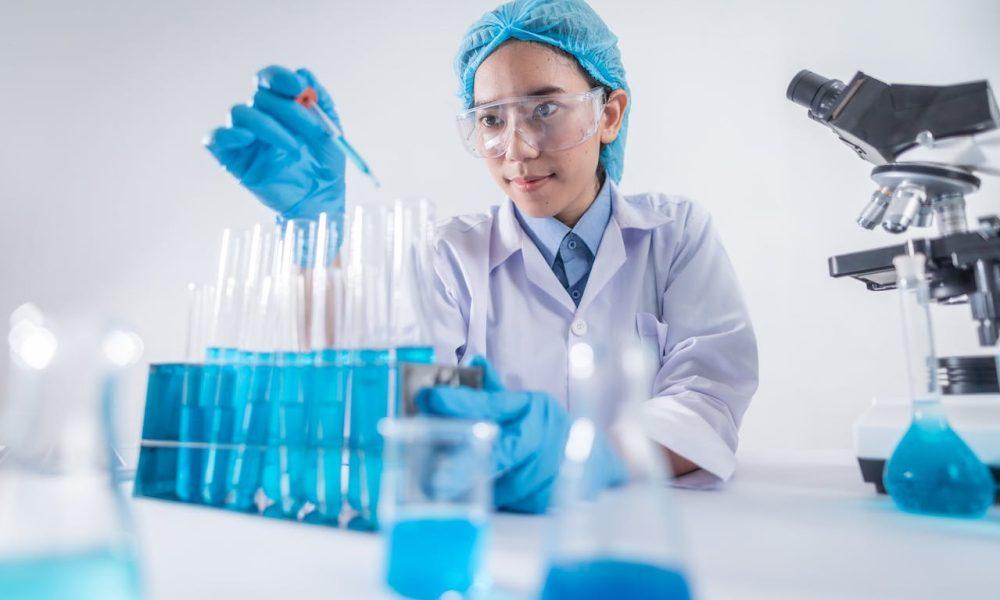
[934, 471]
[250, 430]
[326, 386]
[285, 459]
[103, 574]
[156, 474]
[191, 429]
[610, 579]
[430, 556]
[369, 400]
[218, 391]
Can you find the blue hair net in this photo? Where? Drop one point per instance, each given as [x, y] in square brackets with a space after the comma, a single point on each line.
[569, 25]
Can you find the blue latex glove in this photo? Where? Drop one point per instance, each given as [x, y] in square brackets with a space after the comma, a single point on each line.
[280, 151]
[530, 446]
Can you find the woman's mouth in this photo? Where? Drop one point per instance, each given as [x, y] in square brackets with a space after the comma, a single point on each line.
[530, 183]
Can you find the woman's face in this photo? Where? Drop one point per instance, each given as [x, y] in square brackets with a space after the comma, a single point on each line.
[544, 183]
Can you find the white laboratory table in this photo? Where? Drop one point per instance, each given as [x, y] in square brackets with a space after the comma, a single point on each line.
[783, 528]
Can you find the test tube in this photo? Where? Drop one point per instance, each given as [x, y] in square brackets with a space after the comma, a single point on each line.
[367, 335]
[252, 416]
[284, 466]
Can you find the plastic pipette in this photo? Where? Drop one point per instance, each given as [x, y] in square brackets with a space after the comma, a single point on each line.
[309, 99]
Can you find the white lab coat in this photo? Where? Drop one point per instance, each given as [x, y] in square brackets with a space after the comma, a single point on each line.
[660, 273]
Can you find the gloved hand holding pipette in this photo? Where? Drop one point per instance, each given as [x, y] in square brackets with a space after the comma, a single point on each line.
[281, 150]
[529, 450]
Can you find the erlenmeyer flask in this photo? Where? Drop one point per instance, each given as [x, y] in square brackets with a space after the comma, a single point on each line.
[621, 542]
[932, 470]
[63, 527]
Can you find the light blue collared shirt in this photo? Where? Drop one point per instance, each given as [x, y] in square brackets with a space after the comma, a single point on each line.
[571, 252]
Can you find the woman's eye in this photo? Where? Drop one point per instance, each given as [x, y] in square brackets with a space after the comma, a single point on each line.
[490, 121]
[546, 110]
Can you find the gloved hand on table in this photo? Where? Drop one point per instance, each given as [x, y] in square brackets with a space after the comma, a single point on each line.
[280, 151]
[531, 441]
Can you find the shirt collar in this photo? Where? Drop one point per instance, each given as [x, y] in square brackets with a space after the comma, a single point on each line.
[508, 234]
[548, 232]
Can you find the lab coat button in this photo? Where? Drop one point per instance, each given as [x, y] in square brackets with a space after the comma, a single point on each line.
[579, 327]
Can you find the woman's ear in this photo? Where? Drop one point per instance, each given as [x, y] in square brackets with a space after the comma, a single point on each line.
[614, 114]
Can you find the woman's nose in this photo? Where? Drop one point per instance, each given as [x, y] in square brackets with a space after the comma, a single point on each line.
[518, 148]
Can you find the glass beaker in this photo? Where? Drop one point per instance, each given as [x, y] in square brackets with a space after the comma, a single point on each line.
[622, 542]
[932, 470]
[436, 500]
[63, 525]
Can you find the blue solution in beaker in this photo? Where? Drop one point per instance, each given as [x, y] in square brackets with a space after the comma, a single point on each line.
[97, 573]
[218, 396]
[326, 387]
[156, 473]
[612, 578]
[285, 458]
[932, 470]
[430, 556]
[369, 402]
[251, 420]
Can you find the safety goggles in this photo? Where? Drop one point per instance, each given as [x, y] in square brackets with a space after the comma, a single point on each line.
[546, 123]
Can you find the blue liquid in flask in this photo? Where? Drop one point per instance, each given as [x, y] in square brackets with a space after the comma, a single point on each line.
[98, 573]
[932, 470]
[429, 556]
[611, 578]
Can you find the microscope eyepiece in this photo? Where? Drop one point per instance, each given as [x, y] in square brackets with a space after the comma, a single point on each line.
[815, 92]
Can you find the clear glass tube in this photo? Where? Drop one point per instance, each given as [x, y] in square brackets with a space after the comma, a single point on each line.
[918, 335]
[410, 314]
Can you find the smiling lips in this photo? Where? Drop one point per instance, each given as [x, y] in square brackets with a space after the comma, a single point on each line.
[530, 183]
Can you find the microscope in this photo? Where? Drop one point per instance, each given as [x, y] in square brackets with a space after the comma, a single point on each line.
[929, 145]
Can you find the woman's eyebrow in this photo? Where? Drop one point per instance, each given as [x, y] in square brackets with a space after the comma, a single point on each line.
[542, 91]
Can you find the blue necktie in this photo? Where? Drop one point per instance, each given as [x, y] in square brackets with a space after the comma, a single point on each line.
[572, 265]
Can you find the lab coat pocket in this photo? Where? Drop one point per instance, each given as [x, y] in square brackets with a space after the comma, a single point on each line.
[651, 329]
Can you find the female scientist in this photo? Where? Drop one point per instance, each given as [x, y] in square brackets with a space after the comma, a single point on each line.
[565, 258]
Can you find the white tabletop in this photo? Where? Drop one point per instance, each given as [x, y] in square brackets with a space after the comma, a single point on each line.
[802, 528]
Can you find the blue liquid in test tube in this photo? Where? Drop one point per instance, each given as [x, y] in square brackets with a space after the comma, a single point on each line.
[217, 399]
[156, 473]
[369, 390]
[191, 437]
[250, 433]
[285, 459]
[325, 402]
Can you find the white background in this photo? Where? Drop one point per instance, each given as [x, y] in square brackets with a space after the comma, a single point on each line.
[109, 205]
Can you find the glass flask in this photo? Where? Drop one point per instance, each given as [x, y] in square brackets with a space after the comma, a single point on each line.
[621, 542]
[63, 526]
[436, 504]
[932, 470]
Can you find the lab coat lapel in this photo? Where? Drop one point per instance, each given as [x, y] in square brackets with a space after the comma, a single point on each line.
[512, 238]
[610, 257]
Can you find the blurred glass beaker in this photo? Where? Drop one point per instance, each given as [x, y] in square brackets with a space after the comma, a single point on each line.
[63, 525]
[623, 542]
[435, 506]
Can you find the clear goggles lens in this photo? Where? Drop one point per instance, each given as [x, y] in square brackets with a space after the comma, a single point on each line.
[546, 123]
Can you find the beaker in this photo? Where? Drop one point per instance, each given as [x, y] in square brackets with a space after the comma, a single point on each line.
[436, 502]
[63, 524]
[623, 541]
[932, 470]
